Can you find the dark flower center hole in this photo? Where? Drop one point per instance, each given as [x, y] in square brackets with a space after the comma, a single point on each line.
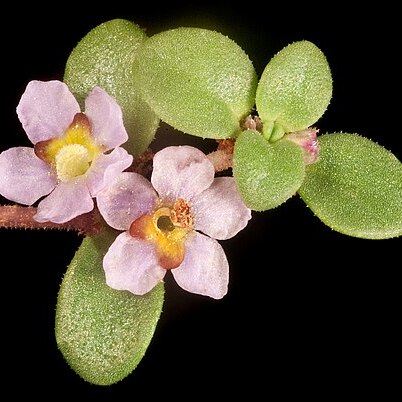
[165, 224]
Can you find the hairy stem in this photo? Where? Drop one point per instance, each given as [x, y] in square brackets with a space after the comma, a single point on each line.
[20, 217]
[222, 158]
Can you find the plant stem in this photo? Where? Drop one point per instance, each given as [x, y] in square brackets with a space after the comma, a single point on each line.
[91, 223]
[222, 158]
[20, 217]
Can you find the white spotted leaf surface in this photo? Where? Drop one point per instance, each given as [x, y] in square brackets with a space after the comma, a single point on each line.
[102, 333]
[356, 187]
[197, 80]
[295, 89]
[266, 174]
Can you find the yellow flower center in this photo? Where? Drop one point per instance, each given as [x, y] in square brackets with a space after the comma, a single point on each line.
[71, 161]
[72, 154]
[167, 228]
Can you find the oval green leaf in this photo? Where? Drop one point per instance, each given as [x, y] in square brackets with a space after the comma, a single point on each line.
[102, 333]
[104, 57]
[266, 174]
[197, 80]
[356, 187]
[294, 90]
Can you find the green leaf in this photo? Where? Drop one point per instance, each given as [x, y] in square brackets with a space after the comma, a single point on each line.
[294, 90]
[356, 187]
[104, 57]
[266, 174]
[197, 80]
[102, 333]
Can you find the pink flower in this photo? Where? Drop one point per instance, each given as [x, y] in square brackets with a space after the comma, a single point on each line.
[163, 224]
[74, 156]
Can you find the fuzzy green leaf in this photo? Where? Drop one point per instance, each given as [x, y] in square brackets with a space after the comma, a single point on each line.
[266, 174]
[197, 80]
[102, 333]
[104, 57]
[294, 90]
[356, 187]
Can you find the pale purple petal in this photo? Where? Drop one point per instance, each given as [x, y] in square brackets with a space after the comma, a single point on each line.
[67, 201]
[106, 168]
[219, 211]
[106, 119]
[132, 264]
[24, 178]
[46, 109]
[181, 172]
[126, 199]
[205, 269]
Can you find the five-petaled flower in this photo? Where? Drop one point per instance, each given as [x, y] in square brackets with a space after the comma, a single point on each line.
[75, 154]
[163, 221]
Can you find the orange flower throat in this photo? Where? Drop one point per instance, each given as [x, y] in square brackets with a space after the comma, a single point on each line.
[167, 228]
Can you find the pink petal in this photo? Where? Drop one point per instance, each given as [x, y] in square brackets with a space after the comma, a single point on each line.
[219, 211]
[126, 199]
[106, 168]
[181, 172]
[131, 264]
[106, 119]
[46, 109]
[24, 178]
[67, 201]
[205, 269]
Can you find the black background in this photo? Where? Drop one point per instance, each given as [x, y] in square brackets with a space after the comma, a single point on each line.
[309, 312]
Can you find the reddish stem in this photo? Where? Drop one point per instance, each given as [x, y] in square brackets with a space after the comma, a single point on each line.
[19, 217]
